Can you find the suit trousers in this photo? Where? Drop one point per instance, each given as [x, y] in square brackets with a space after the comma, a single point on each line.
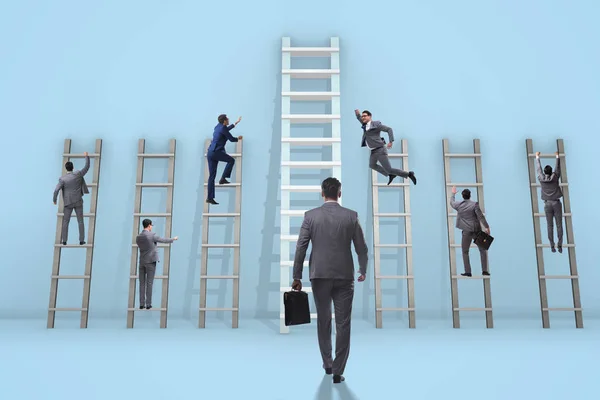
[380, 155]
[553, 210]
[213, 158]
[147, 272]
[341, 292]
[68, 211]
[467, 239]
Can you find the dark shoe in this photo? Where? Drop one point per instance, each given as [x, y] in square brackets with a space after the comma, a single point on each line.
[560, 249]
[338, 379]
[142, 307]
[81, 243]
[211, 201]
[485, 273]
[328, 371]
[391, 178]
[148, 307]
[467, 274]
[223, 181]
[412, 177]
[64, 243]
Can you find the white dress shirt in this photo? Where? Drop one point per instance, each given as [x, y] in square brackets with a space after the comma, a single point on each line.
[367, 127]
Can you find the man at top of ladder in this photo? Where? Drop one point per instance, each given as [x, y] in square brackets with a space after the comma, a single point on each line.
[216, 152]
[551, 194]
[469, 219]
[73, 188]
[372, 139]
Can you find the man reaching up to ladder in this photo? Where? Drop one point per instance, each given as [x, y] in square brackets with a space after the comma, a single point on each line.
[373, 141]
[551, 194]
[73, 188]
[469, 219]
[216, 152]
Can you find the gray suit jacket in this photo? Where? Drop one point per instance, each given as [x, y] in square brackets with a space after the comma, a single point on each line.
[331, 228]
[550, 183]
[469, 216]
[146, 242]
[372, 137]
[73, 186]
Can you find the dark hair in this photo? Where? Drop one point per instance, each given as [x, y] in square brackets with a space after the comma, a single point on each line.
[466, 194]
[69, 166]
[146, 223]
[331, 188]
[367, 112]
[548, 170]
[222, 118]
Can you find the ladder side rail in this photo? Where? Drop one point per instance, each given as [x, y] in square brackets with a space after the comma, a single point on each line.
[235, 316]
[410, 281]
[204, 254]
[168, 233]
[376, 252]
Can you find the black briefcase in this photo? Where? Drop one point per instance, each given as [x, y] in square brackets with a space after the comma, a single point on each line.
[297, 311]
[484, 240]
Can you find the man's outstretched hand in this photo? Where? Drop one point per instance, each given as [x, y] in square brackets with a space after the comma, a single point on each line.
[361, 278]
[297, 285]
[357, 112]
[454, 190]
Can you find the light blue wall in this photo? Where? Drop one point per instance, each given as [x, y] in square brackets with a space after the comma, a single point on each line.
[498, 70]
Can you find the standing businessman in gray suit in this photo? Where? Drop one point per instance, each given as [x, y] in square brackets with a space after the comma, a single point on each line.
[331, 228]
[73, 188]
[373, 141]
[469, 219]
[146, 242]
[551, 194]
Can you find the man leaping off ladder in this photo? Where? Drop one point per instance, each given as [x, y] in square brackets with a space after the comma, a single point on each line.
[372, 139]
[551, 194]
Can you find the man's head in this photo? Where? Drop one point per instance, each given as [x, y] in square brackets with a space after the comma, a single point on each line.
[365, 117]
[223, 120]
[548, 170]
[331, 189]
[147, 224]
[466, 194]
[69, 166]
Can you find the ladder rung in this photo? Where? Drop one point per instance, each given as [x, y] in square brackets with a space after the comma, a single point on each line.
[560, 184]
[218, 309]
[302, 188]
[70, 277]
[155, 277]
[289, 238]
[395, 309]
[543, 215]
[288, 289]
[548, 246]
[92, 184]
[157, 244]
[453, 215]
[221, 215]
[471, 277]
[293, 213]
[454, 246]
[397, 155]
[380, 184]
[219, 277]
[234, 155]
[310, 51]
[392, 215]
[464, 184]
[559, 276]
[393, 245]
[310, 73]
[312, 315]
[80, 155]
[310, 118]
[462, 155]
[155, 184]
[311, 164]
[156, 155]
[472, 309]
[395, 277]
[561, 309]
[73, 215]
[288, 264]
[155, 215]
[67, 309]
[225, 185]
[310, 96]
[221, 246]
[547, 155]
[326, 141]
[145, 309]
[84, 246]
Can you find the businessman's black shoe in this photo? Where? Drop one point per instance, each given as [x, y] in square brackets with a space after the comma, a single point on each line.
[467, 274]
[211, 201]
[485, 273]
[553, 249]
[560, 249]
[338, 379]
[328, 371]
[412, 177]
[391, 178]
[81, 243]
[64, 243]
[148, 307]
[223, 181]
[142, 307]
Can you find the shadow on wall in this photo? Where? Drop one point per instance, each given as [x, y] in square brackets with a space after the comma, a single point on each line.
[267, 257]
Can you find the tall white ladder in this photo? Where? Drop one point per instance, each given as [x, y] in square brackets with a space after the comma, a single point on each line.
[237, 217]
[570, 239]
[138, 214]
[452, 246]
[89, 246]
[287, 119]
[377, 246]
